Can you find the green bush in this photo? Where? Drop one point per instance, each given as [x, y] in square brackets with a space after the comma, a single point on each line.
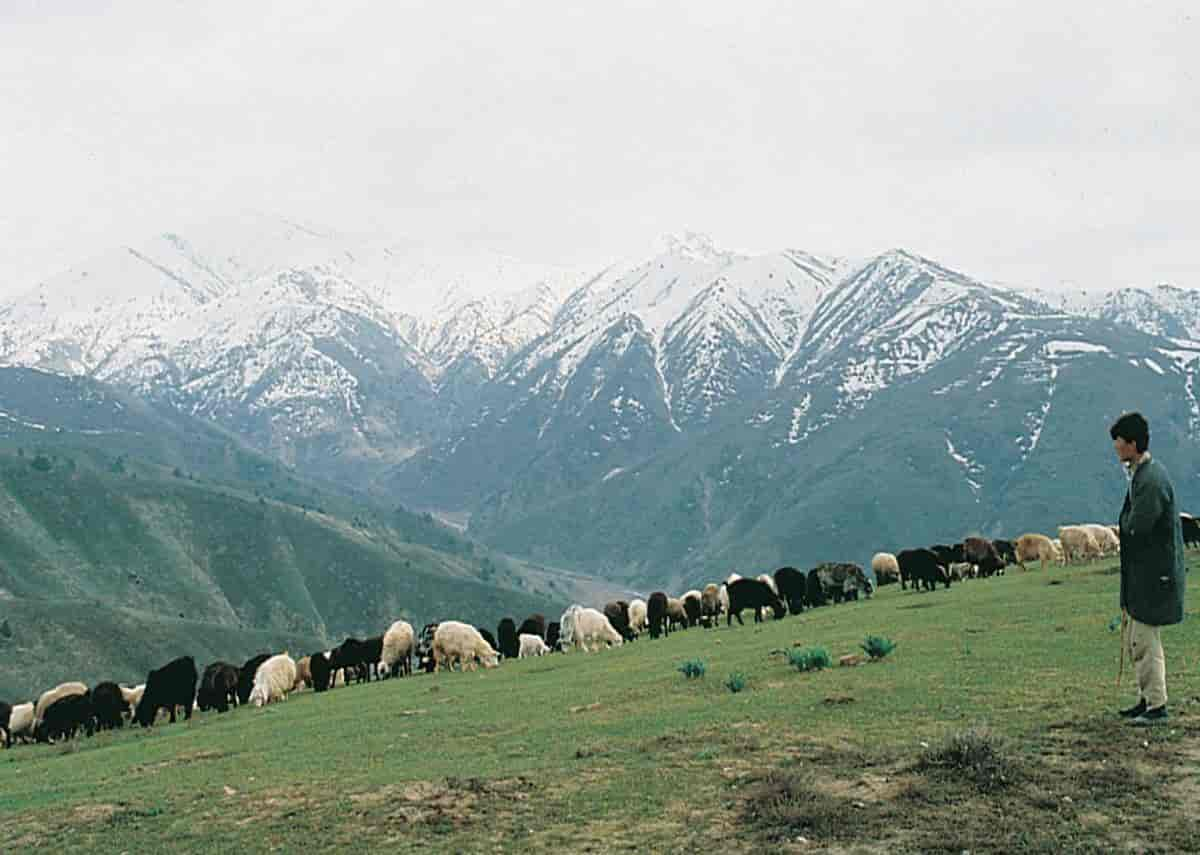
[809, 658]
[691, 669]
[735, 682]
[877, 647]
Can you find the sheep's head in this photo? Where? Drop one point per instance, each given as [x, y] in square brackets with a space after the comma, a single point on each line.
[490, 660]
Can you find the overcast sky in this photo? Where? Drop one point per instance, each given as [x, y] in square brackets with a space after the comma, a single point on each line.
[1047, 143]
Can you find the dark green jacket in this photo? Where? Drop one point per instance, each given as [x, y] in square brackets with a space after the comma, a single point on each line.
[1152, 571]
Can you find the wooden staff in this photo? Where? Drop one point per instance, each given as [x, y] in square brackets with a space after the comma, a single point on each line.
[1121, 668]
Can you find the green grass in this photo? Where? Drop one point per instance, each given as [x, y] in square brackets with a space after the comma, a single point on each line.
[613, 751]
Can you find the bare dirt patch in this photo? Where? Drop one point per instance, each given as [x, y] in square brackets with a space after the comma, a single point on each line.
[456, 802]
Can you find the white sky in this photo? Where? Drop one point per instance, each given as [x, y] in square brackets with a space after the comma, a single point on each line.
[1047, 143]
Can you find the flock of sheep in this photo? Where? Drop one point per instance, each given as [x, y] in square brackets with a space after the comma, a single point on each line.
[71, 707]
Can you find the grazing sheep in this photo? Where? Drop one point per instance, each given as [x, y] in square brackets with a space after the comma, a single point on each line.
[693, 607]
[535, 624]
[922, 568]
[246, 676]
[1107, 542]
[638, 622]
[676, 613]
[506, 634]
[65, 716]
[531, 645]
[590, 630]
[273, 680]
[457, 642]
[710, 605]
[1035, 547]
[20, 724]
[109, 707]
[319, 668]
[752, 594]
[792, 586]
[814, 591]
[553, 634]
[982, 553]
[656, 612]
[218, 687]
[5, 714]
[1007, 551]
[399, 643]
[62, 690]
[885, 568]
[961, 570]
[1079, 544]
[172, 685]
[359, 656]
[1190, 526]
[843, 581]
[618, 615]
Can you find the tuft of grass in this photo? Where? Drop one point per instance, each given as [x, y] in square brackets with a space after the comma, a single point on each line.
[784, 803]
[735, 682]
[877, 646]
[692, 669]
[809, 658]
[976, 754]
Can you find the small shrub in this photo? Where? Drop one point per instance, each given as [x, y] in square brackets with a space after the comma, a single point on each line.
[735, 682]
[977, 754]
[786, 803]
[42, 463]
[877, 647]
[692, 669]
[809, 658]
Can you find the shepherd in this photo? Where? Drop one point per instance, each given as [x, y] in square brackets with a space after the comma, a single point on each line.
[1152, 569]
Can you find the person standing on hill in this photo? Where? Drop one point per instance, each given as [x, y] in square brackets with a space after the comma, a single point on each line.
[1152, 571]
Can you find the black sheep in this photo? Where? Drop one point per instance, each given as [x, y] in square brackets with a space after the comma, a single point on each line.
[983, 553]
[793, 588]
[1191, 530]
[814, 591]
[752, 594]
[922, 568]
[506, 634]
[66, 716]
[172, 685]
[321, 670]
[656, 614]
[218, 687]
[109, 706]
[553, 630]
[693, 608]
[246, 673]
[617, 613]
[425, 661]
[1006, 551]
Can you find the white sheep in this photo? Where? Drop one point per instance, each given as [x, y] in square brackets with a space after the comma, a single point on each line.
[399, 644]
[20, 722]
[454, 641]
[62, 690]
[886, 568]
[638, 621]
[591, 629]
[1035, 547]
[1078, 544]
[1108, 542]
[273, 680]
[566, 626]
[531, 645]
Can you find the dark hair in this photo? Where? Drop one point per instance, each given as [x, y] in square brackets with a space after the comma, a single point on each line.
[1132, 427]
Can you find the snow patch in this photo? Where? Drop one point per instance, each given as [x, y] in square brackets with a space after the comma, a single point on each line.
[1153, 366]
[798, 413]
[1058, 348]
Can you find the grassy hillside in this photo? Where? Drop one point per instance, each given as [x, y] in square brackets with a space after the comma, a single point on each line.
[87, 547]
[618, 751]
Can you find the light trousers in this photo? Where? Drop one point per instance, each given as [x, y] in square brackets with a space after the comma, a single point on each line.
[1149, 664]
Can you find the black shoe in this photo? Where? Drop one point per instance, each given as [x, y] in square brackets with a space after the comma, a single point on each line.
[1135, 710]
[1158, 715]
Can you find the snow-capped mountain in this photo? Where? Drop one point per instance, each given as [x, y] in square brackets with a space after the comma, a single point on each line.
[680, 406]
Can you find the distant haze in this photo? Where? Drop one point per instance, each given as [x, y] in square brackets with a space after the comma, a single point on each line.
[1052, 145]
